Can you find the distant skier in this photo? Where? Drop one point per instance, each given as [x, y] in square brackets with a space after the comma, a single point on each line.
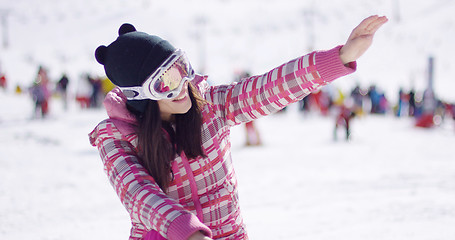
[40, 93]
[62, 87]
[343, 120]
[2, 81]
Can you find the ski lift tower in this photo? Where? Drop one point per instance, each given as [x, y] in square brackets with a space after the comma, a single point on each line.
[429, 103]
[4, 23]
[426, 119]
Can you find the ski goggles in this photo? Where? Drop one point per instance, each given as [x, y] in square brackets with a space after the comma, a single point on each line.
[166, 82]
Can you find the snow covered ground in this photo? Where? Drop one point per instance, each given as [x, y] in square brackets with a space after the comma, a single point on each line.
[392, 181]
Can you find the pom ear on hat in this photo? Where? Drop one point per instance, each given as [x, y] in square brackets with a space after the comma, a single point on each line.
[126, 28]
[100, 54]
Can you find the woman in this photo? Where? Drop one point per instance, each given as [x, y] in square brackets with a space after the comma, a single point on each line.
[165, 145]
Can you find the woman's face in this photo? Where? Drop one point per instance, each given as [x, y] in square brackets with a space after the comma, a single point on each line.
[179, 105]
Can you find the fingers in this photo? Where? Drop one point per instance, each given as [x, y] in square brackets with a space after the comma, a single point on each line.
[377, 23]
[368, 26]
[372, 23]
[366, 23]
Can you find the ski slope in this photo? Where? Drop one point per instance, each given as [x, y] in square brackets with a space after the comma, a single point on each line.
[391, 181]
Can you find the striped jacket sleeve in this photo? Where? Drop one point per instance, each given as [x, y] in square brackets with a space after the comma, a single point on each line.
[143, 199]
[262, 95]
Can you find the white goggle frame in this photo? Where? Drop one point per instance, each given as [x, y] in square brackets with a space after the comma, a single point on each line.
[148, 91]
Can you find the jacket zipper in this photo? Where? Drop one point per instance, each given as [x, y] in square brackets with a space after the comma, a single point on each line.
[193, 187]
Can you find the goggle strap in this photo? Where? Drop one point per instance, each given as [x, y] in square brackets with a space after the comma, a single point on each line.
[134, 93]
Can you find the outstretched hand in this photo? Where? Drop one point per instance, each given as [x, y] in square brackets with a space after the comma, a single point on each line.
[361, 38]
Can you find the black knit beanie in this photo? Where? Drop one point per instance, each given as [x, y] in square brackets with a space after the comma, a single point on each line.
[131, 58]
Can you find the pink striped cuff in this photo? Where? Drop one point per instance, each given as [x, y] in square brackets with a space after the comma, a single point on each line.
[330, 66]
[183, 226]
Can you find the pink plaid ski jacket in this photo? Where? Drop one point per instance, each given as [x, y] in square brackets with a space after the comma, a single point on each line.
[203, 194]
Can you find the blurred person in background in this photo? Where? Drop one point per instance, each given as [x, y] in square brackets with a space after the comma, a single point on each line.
[62, 88]
[402, 103]
[357, 97]
[96, 92]
[343, 120]
[411, 103]
[452, 112]
[3, 80]
[40, 93]
[165, 145]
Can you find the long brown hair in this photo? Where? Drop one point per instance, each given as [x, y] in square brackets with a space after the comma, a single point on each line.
[159, 141]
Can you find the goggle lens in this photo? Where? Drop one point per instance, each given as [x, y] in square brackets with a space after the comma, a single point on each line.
[172, 78]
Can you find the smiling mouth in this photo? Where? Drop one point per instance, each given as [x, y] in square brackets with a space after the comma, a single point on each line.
[179, 98]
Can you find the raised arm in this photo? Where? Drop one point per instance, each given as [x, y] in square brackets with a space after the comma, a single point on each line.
[257, 96]
[262, 95]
